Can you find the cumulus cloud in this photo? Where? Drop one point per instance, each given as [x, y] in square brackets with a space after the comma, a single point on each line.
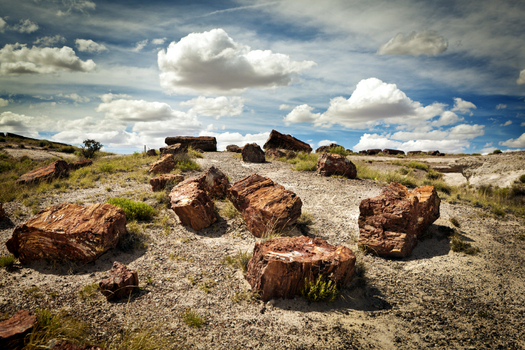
[447, 118]
[3, 102]
[89, 45]
[325, 143]
[3, 25]
[212, 63]
[50, 40]
[515, 143]
[501, 106]
[426, 42]
[284, 107]
[521, 78]
[26, 26]
[75, 97]
[463, 106]
[18, 59]
[215, 107]
[301, 114]
[159, 41]
[19, 124]
[106, 98]
[140, 45]
[368, 141]
[235, 138]
[508, 122]
[76, 5]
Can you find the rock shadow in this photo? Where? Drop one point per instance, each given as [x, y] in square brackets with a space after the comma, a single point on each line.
[6, 223]
[434, 242]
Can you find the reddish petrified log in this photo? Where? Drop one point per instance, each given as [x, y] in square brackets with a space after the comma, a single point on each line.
[58, 168]
[274, 153]
[173, 149]
[121, 282]
[68, 232]
[233, 148]
[79, 164]
[2, 211]
[277, 140]
[280, 266]
[264, 205]
[192, 205]
[159, 183]
[215, 183]
[163, 165]
[363, 152]
[393, 151]
[374, 151]
[205, 143]
[330, 164]
[14, 329]
[434, 153]
[252, 153]
[60, 344]
[151, 153]
[390, 224]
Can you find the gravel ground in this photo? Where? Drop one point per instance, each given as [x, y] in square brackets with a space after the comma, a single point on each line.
[434, 299]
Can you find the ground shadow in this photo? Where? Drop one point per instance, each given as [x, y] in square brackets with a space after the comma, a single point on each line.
[6, 223]
[433, 242]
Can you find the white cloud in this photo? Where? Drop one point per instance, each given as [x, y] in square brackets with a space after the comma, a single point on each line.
[301, 114]
[18, 59]
[3, 25]
[325, 143]
[215, 107]
[76, 5]
[522, 124]
[423, 43]
[488, 144]
[466, 132]
[515, 143]
[487, 150]
[501, 106]
[50, 40]
[521, 78]
[212, 63]
[447, 118]
[284, 107]
[159, 41]
[369, 141]
[84, 45]
[75, 97]
[507, 123]
[463, 106]
[108, 97]
[235, 138]
[19, 124]
[140, 45]
[25, 26]
[3, 102]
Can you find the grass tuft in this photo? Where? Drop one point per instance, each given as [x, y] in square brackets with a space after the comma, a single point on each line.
[455, 222]
[238, 261]
[192, 318]
[7, 261]
[133, 210]
[319, 290]
[458, 245]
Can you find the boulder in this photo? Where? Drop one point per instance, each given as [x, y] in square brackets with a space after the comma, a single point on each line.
[192, 205]
[393, 151]
[159, 183]
[335, 164]
[433, 153]
[68, 232]
[151, 153]
[414, 153]
[2, 211]
[325, 149]
[277, 140]
[252, 153]
[121, 282]
[233, 148]
[390, 224]
[364, 152]
[14, 330]
[164, 165]
[79, 164]
[60, 344]
[349, 151]
[274, 153]
[58, 168]
[372, 152]
[264, 205]
[215, 183]
[205, 143]
[173, 149]
[280, 266]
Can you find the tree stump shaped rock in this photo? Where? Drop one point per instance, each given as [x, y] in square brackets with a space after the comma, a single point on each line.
[121, 282]
[279, 267]
[205, 143]
[68, 232]
[233, 148]
[329, 164]
[264, 205]
[277, 140]
[173, 149]
[215, 183]
[159, 183]
[164, 165]
[14, 329]
[58, 168]
[252, 153]
[390, 224]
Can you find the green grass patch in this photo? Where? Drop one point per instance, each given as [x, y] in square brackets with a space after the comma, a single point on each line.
[184, 162]
[192, 318]
[238, 261]
[433, 175]
[338, 150]
[7, 261]
[417, 165]
[458, 245]
[229, 211]
[133, 210]
[89, 293]
[319, 290]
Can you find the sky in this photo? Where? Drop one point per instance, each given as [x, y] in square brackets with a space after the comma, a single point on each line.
[400, 74]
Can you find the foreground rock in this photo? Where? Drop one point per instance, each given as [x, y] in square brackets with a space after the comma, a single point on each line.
[277, 140]
[205, 143]
[60, 344]
[390, 224]
[215, 183]
[68, 232]
[159, 183]
[173, 149]
[121, 282]
[329, 164]
[279, 267]
[58, 168]
[264, 205]
[252, 153]
[14, 330]
[163, 165]
[79, 164]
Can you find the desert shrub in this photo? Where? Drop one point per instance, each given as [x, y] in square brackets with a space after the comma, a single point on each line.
[106, 168]
[44, 143]
[133, 210]
[185, 163]
[458, 245]
[338, 150]
[497, 151]
[67, 149]
[193, 153]
[440, 186]
[417, 165]
[238, 261]
[365, 172]
[393, 176]
[522, 179]
[455, 222]
[90, 147]
[7, 261]
[192, 318]
[303, 161]
[305, 166]
[319, 290]
[228, 210]
[433, 175]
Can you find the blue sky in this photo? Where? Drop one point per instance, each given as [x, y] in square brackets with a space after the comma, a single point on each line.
[409, 75]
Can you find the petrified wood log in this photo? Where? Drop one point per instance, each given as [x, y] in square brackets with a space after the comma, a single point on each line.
[121, 282]
[68, 232]
[163, 165]
[325, 149]
[215, 183]
[264, 205]
[233, 148]
[390, 224]
[14, 329]
[329, 164]
[277, 140]
[393, 151]
[60, 344]
[371, 152]
[205, 143]
[192, 205]
[413, 153]
[159, 183]
[151, 153]
[173, 149]
[279, 266]
[252, 153]
[79, 164]
[58, 168]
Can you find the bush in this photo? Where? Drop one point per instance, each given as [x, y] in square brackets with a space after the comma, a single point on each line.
[319, 290]
[458, 245]
[7, 261]
[497, 151]
[192, 318]
[522, 179]
[185, 163]
[67, 149]
[133, 210]
[90, 147]
[338, 150]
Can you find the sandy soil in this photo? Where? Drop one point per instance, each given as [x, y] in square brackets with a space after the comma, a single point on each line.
[434, 299]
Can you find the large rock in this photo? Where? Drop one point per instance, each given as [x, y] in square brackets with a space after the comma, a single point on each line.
[192, 204]
[79, 164]
[264, 205]
[2, 211]
[205, 143]
[277, 140]
[163, 165]
[68, 232]
[363, 152]
[325, 149]
[215, 183]
[173, 149]
[233, 148]
[390, 224]
[329, 164]
[373, 151]
[252, 153]
[434, 153]
[151, 153]
[279, 267]
[121, 282]
[58, 168]
[14, 330]
[279, 153]
[159, 183]
[393, 151]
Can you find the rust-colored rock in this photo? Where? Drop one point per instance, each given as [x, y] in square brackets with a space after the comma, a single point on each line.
[372, 152]
[121, 282]
[279, 267]
[2, 211]
[274, 153]
[60, 344]
[164, 165]
[79, 164]
[363, 152]
[393, 151]
[215, 183]
[192, 205]
[252, 153]
[151, 153]
[68, 232]
[205, 143]
[390, 224]
[159, 183]
[264, 205]
[277, 140]
[58, 168]
[233, 148]
[330, 164]
[173, 149]
[14, 329]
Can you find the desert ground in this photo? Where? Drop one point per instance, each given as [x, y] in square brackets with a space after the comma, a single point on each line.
[436, 298]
